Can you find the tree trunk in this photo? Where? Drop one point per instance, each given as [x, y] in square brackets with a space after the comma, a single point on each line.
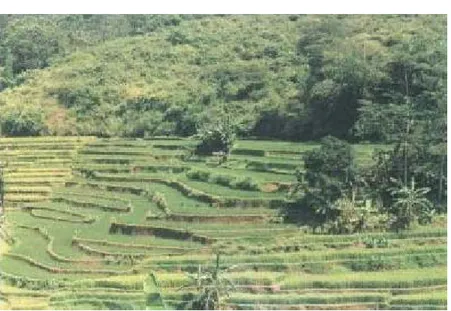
[406, 80]
[440, 182]
[2, 192]
[405, 162]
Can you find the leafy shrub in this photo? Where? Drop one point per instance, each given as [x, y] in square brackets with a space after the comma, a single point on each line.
[246, 183]
[19, 121]
[178, 37]
[223, 180]
[198, 175]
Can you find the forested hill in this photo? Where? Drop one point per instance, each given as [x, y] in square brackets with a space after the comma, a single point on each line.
[296, 77]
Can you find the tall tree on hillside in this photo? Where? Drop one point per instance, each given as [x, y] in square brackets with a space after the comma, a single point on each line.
[416, 105]
[329, 176]
[343, 70]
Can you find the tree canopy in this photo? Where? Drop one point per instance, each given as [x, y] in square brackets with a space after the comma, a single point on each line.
[293, 77]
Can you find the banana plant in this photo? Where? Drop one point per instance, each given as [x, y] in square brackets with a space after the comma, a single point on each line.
[212, 287]
[409, 204]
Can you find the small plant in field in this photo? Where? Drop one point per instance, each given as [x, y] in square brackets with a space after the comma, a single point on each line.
[373, 242]
[160, 200]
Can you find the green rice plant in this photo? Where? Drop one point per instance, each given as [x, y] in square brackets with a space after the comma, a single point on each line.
[37, 174]
[76, 294]
[390, 262]
[58, 215]
[416, 307]
[104, 196]
[53, 269]
[164, 232]
[46, 139]
[223, 193]
[36, 189]
[280, 146]
[380, 262]
[34, 181]
[92, 203]
[393, 279]
[271, 257]
[135, 166]
[154, 245]
[115, 151]
[237, 169]
[282, 298]
[24, 197]
[35, 145]
[97, 304]
[251, 152]
[431, 298]
[173, 280]
[123, 282]
[125, 255]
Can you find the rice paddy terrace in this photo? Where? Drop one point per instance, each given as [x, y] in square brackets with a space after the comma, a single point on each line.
[87, 219]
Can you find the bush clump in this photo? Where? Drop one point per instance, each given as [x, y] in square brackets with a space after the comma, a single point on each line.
[223, 180]
[246, 183]
[198, 175]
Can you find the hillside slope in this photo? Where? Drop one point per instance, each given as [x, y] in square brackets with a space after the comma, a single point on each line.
[280, 76]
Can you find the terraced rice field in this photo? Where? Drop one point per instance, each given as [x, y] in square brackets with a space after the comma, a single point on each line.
[87, 220]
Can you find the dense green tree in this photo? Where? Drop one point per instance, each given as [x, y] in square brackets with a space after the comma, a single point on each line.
[32, 43]
[217, 137]
[329, 177]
